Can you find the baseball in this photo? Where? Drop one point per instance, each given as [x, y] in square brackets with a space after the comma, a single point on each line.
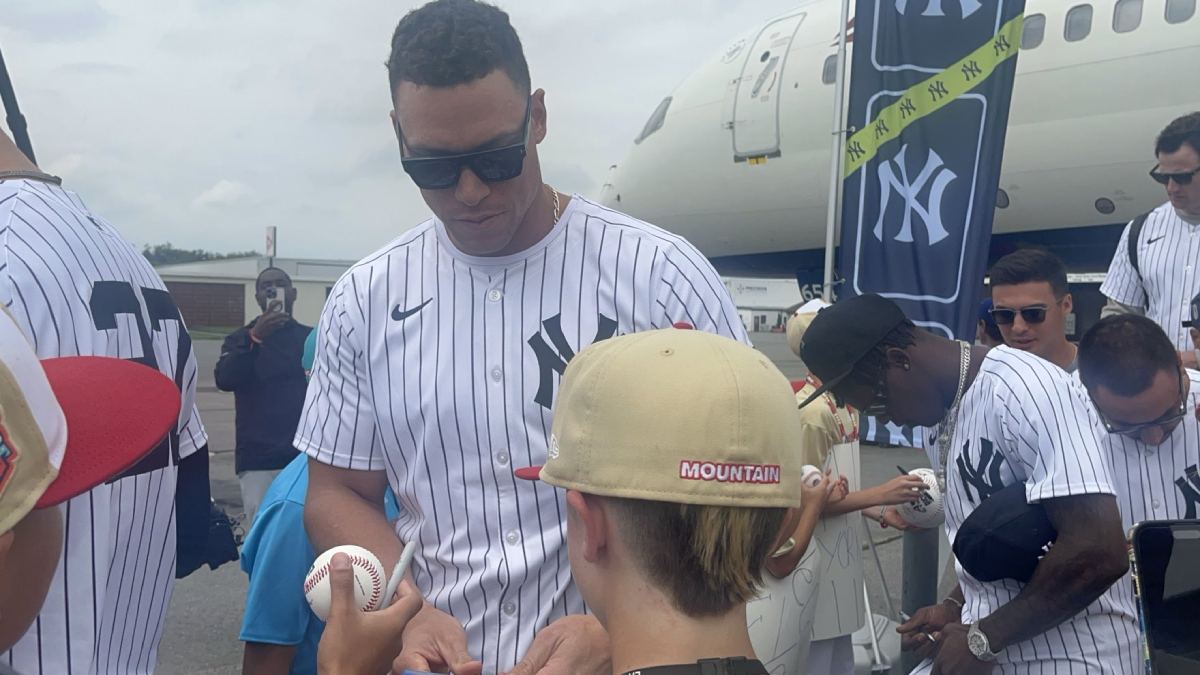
[926, 510]
[810, 475]
[369, 580]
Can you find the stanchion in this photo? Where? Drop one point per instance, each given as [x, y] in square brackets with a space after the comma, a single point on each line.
[919, 588]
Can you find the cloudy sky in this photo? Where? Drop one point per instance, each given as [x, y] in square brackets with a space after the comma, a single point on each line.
[199, 122]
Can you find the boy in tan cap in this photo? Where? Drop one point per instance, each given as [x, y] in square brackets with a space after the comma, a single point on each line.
[677, 451]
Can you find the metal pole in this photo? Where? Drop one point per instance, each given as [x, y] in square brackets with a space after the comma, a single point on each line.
[920, 579]
[16, 121]
[835, 159]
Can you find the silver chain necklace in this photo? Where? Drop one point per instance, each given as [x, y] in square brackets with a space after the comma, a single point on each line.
[946, 426]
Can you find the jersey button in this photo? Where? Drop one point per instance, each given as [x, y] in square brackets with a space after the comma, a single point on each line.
[495, 294]
[502, 458]
[512, 537]
[509, 608]
[497, 374]
[1156, 504]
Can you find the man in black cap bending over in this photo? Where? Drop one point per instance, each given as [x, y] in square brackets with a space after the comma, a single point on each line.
[998, 417]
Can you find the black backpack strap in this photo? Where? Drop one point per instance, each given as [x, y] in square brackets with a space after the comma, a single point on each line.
[1131, 244]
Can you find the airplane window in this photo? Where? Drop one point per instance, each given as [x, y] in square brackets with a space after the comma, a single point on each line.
[1179, 11]
[1034, 31]
[1079, 23]
[656, 120]
[829, 70]
[1127, 15]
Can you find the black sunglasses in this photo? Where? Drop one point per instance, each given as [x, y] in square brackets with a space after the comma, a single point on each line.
[1181, 178]
[491, 166]
[1032, 314]
[1166, 421]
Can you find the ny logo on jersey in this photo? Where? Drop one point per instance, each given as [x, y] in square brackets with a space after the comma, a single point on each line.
[554, 359]
[934, 7]
[893, 177]
[1189, 487]
[984, 476]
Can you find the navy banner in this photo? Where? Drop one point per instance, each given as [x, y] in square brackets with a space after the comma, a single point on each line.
[930, 86]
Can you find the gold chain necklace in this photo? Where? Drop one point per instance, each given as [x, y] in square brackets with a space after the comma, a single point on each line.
[557, 208]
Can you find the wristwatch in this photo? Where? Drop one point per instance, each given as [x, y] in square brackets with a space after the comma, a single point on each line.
[977, 642]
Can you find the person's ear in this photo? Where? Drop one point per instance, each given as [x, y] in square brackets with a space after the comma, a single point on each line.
[593, 517]
[898, 358]
[538, 117]
[1068, 304]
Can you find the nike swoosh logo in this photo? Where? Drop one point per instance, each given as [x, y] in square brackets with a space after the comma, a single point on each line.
[400, 315]
[1151, 241]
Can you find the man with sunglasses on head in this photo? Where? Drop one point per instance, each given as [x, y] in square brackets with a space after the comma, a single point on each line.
[1147, 403]
[1157, 274]
[999, 417]
[438, 356]
[1030, 304]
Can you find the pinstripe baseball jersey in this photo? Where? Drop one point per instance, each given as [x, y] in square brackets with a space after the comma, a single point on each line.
[1025, 420]
[77, 288]
[1169, 260]
[441, 369]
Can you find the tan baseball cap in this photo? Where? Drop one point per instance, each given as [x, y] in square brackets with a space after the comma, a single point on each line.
[801, 319]
[679, 416]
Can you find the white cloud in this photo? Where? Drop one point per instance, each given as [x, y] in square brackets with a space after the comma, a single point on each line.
[223, 193]
[159, 99]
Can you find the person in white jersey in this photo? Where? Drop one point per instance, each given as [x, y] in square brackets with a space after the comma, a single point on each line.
[1167, 248]
[1003, 417]
[439, 355]
[1147, 403]
[76, 288]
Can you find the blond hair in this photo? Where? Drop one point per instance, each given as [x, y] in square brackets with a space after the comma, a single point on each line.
[706, 559]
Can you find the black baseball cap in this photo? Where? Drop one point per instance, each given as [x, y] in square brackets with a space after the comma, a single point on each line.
[842, 334]
[1005, 537]
[1194, 320]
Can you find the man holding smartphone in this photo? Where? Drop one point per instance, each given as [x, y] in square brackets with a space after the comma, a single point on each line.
[261, 364]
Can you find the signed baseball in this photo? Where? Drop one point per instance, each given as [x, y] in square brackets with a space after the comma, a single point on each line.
[926, 510]
[369, 580]
[810, 475]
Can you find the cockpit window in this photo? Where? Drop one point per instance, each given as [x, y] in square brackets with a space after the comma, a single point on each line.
[656, 120]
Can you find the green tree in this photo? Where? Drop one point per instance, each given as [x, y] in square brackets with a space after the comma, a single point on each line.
[166, 254]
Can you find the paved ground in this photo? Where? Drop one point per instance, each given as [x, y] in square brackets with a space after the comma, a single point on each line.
[205, 613]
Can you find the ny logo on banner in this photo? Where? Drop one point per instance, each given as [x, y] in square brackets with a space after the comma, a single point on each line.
[934, 7]
[893, 177]
[1189, 488]
[554, 359]
[983, 476]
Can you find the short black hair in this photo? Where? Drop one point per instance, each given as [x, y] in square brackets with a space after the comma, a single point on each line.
[451, 42]
[258, 279]
[869, 369]
[1181, 130]
[1124, 353]
[1030, 264]
[992, 330]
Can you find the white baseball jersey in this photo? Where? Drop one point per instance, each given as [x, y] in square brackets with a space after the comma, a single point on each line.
[77, 288]
[1169, 260]
[1157, 482]
[1025, 420]
[440, 368]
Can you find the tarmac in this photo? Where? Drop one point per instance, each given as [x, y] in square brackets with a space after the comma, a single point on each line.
[200, 636]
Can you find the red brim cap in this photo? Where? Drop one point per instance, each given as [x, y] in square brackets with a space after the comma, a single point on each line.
[117, 412]
[529, 473]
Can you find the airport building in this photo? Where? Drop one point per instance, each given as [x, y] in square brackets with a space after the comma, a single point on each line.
[220, 293]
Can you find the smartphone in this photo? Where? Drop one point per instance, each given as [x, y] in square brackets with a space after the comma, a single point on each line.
[1165, 558]
[273, 302]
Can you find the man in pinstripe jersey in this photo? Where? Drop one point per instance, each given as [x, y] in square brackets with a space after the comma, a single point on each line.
[1003, 417]
[1167, 276]
[438, 356]
[76, 288]
[1147, 403]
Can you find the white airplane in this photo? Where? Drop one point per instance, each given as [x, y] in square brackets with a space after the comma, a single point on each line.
[1096, 82]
